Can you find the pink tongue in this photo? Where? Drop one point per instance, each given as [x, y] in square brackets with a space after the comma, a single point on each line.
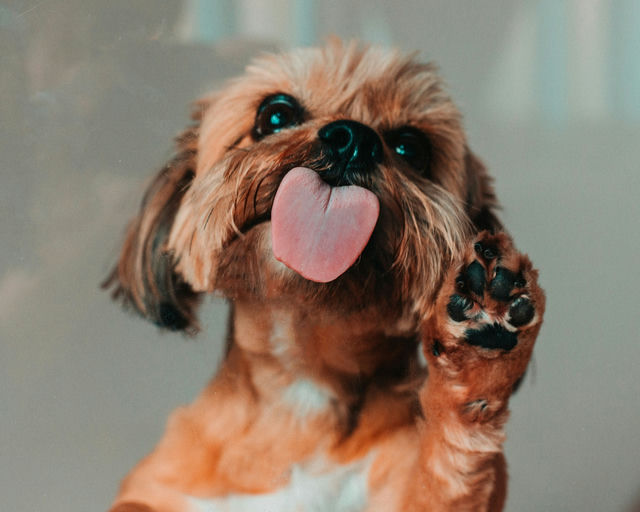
[317, 230]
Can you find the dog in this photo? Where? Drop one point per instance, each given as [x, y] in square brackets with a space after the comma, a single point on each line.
[380, 317]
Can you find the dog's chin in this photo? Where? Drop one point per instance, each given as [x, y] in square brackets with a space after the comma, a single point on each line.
[248, 269]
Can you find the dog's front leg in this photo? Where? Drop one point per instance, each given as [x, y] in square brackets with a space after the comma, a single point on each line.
[182, 464]
[186, 463]
[478, 344]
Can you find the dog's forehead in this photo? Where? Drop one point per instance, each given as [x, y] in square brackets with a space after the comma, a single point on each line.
[373, 85]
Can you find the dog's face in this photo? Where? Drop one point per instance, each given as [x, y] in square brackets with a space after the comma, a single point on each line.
[348, 115]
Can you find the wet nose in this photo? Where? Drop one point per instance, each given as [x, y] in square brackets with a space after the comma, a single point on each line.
[351, 145]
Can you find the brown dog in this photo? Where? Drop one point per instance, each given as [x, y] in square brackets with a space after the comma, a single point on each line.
[330, 195]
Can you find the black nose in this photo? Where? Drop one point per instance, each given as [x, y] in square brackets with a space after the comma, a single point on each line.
[352, 146]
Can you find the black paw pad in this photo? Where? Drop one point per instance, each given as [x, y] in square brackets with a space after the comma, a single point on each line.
[504, 282]
[486, 251]
[521, 312]
[457, 307]
[492, 336]
[476, 277]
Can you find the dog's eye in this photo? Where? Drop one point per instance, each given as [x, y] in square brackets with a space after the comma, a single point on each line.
[275, 113]
[412, 146]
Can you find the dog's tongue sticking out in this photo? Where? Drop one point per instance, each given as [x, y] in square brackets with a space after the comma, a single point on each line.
[318, 230]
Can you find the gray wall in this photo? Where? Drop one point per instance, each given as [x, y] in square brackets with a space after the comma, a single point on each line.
[91, 93]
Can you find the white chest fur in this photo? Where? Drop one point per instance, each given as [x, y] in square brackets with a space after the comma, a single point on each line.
[314, 486]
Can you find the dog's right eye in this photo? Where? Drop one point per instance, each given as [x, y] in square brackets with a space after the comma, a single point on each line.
[276, 113]
[412, 146]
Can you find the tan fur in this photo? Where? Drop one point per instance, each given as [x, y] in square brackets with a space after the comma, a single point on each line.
[352, 343]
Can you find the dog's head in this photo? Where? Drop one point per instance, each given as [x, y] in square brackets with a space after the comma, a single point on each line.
[370, 130]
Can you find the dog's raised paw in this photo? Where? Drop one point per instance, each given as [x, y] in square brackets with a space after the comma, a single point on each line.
[495, 294]
[488, 314]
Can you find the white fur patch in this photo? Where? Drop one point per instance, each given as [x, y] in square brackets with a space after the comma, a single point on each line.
[315, 486]
[281, 335]
[474, 440]
[306, 397]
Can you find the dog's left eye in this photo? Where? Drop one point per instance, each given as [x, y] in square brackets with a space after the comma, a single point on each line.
[412, 146]
[275, 113]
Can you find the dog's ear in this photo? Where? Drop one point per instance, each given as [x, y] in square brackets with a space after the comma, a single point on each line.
[144, 277]
[481, 199]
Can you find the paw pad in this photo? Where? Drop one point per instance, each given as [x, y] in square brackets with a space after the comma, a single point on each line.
[521, 312]
[485, 251]
[457, 307]
[476, 278]
[492, 336]
[491, 296]
[504, 282]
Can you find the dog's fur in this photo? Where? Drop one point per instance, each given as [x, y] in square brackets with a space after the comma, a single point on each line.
[321, 402]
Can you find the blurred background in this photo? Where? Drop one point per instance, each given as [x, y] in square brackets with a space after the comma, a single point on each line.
[91, 93]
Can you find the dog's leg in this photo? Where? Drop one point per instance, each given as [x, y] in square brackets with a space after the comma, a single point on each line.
[478, 344]
[186, 462]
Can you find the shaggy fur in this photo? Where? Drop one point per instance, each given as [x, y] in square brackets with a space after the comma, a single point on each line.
[321, 402]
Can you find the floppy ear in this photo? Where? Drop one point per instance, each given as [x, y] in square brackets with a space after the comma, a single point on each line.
[144, 277]
[481, 199]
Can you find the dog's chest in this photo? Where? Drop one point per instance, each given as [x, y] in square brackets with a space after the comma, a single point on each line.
[314, 486]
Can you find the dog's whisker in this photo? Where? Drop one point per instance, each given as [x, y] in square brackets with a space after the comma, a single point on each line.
[193, 235]
[206, 221]
[235, 148]
[255, 194]
[234, 145]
